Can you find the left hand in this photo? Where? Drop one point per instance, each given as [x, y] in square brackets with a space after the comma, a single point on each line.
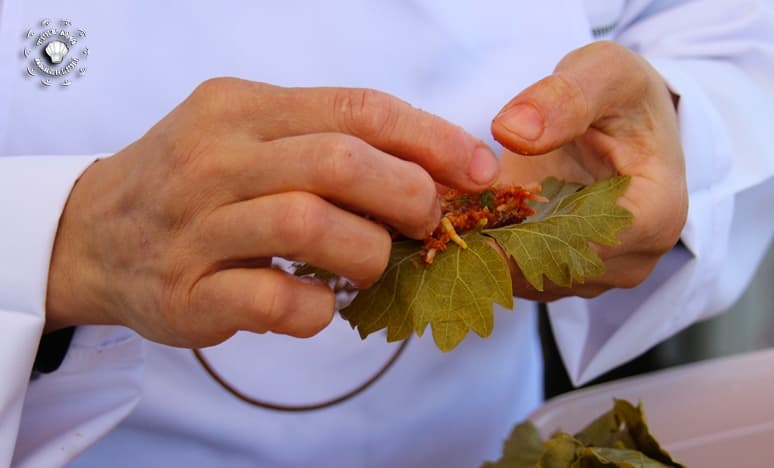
[604, 111]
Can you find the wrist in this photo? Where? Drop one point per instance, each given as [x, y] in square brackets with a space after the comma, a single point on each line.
[73, 279]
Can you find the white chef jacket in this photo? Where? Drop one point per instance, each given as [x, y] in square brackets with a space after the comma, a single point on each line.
[118, 400]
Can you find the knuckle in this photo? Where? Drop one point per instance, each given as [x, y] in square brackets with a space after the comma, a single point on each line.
[325, 308]
[335, 159]
[589, 294]
[302, 223]
[608, 50]
[375, 259]
[629, 280]
[226, 95]
[422, 195]
[382, 250]
[667, 241]
[666, 213]
[368, 112]
[274, 309]
[214, 88]
[602, 52]
[381, 254]
[657, 238]
[636, 70]
[674, 231]
[569, 96]
[633, 278]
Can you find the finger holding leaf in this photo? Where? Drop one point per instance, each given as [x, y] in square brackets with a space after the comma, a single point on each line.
[454, 291]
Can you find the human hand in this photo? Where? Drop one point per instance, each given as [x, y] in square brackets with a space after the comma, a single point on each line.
[604, 111]
[173, 236]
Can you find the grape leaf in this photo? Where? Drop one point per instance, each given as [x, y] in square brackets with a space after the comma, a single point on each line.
[456, 293]
[605, 457]
[554, 190]
[522, 449]
[617, 439]
[453, 295]
[625, 426]
[556, 243]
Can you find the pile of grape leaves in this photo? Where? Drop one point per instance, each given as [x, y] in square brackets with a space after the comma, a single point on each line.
[456, 293]
[619, 438]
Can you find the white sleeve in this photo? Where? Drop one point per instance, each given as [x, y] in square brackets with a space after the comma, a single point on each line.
[33, 191]
[718, 56]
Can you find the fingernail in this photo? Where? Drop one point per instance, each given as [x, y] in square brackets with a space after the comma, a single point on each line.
[483, 166]
[523, 120]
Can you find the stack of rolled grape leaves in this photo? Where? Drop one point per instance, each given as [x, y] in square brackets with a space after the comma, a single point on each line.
[619, 438]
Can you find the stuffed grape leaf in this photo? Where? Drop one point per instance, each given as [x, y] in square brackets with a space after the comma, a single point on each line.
[455, 295]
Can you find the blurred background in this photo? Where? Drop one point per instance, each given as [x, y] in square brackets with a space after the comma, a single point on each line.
[747, 326]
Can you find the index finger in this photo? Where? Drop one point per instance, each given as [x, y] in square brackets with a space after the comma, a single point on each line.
[450, 154]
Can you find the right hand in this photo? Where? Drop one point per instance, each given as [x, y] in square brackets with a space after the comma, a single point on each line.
[173, 236]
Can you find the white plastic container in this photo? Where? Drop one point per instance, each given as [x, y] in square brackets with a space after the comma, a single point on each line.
[716, 413]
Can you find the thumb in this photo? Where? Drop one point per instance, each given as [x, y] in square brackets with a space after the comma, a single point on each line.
[590, 85]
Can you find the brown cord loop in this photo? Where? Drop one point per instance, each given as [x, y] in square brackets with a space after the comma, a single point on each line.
[299, 408]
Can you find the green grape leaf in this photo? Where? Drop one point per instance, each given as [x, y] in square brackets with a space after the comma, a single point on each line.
[456, 293]
[553, 190]
[561, 451]
[605, 457]
[636, 426]
[453, 295]
[555, 243]
[522, 449]
[617, 439]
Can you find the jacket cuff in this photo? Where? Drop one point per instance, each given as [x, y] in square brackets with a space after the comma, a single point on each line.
[52, 351]
[33, 192]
